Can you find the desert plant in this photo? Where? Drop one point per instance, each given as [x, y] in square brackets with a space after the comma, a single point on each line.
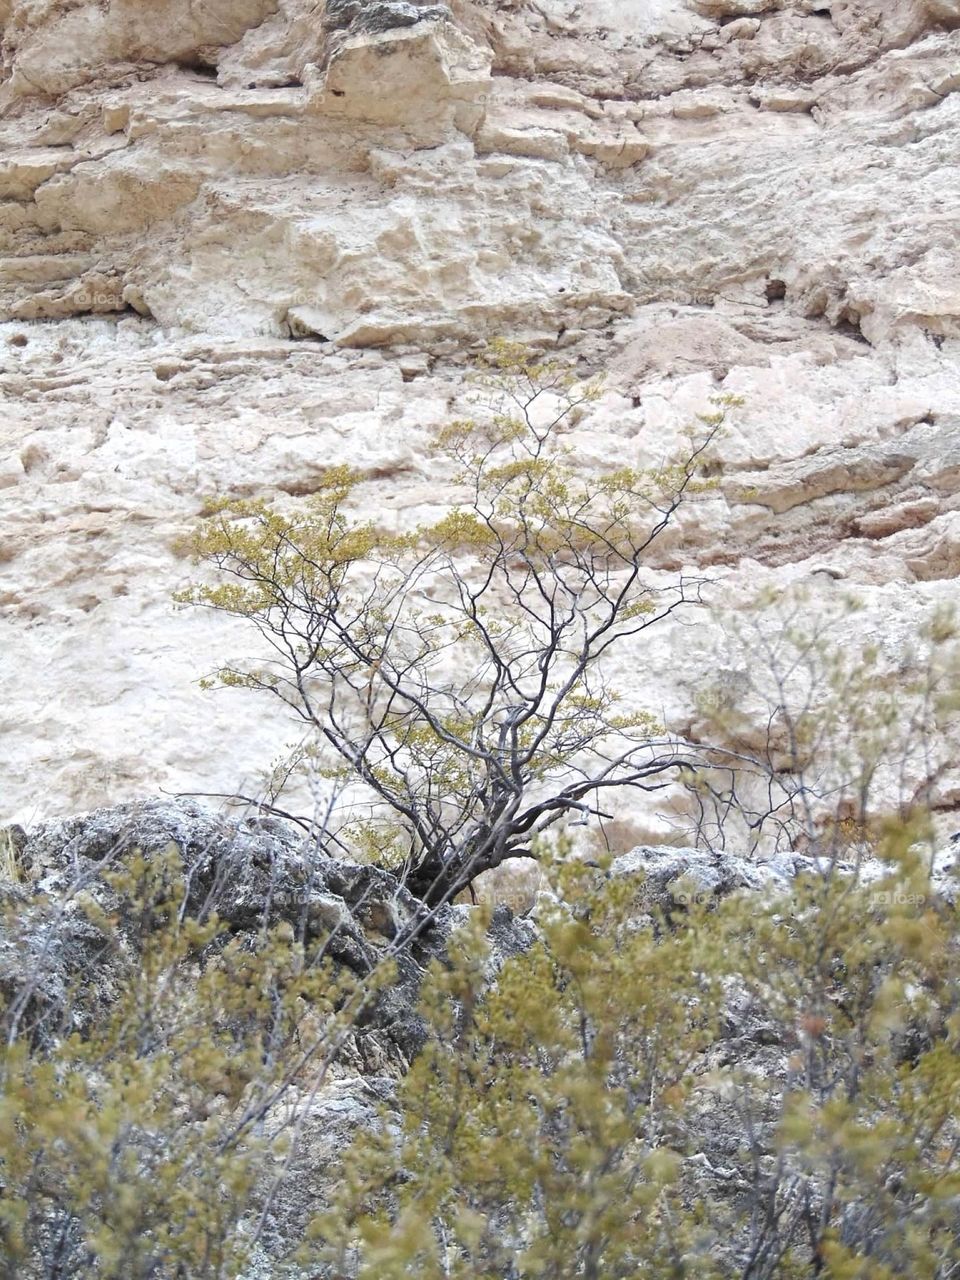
[753, 1088]
[819, 733]
[542, 1126]
[749, 1087]
[455, 672]
[148, 1060]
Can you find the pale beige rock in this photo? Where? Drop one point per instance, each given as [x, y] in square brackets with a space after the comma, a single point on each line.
[428, 77]
[212, 214]
[52, 47]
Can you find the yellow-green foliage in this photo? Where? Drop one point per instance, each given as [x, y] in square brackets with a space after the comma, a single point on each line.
[557, 1124]
[134, 1127]
[452, 672]
[534, 1122]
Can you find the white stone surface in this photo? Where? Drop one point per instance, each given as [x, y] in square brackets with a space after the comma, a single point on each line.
[239, 243]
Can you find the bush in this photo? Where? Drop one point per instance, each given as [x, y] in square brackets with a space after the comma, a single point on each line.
[664, 1082]
[148, 1051]
[751, 1088]
[450, 678]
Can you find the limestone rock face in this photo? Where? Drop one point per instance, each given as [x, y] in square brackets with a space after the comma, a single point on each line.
[245, 239]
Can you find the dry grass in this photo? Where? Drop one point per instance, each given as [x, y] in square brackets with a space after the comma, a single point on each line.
[11, 846]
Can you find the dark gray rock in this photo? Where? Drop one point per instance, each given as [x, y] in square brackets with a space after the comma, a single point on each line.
[252, 872]
[355, 16]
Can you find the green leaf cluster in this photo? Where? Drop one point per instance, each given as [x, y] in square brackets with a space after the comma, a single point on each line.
[142, 1109]
[755, 1086]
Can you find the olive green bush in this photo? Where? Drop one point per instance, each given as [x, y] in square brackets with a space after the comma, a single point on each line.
[756, 1083]
[450, 678]
[754, 1087]
[141, 1106]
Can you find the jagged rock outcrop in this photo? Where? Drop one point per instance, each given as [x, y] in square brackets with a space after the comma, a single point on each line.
[245, 240]
[253, 873]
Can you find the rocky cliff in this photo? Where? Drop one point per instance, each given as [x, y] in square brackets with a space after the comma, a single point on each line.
[246, 239]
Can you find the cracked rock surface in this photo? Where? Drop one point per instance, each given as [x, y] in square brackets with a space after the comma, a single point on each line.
[242, 241]
[251, 873]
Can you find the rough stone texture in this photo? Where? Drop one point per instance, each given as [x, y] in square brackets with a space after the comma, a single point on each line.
[248, 872]
[672, 879]
[242, 240]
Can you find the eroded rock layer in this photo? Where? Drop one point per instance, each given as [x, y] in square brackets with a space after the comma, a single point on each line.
[244, 240]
